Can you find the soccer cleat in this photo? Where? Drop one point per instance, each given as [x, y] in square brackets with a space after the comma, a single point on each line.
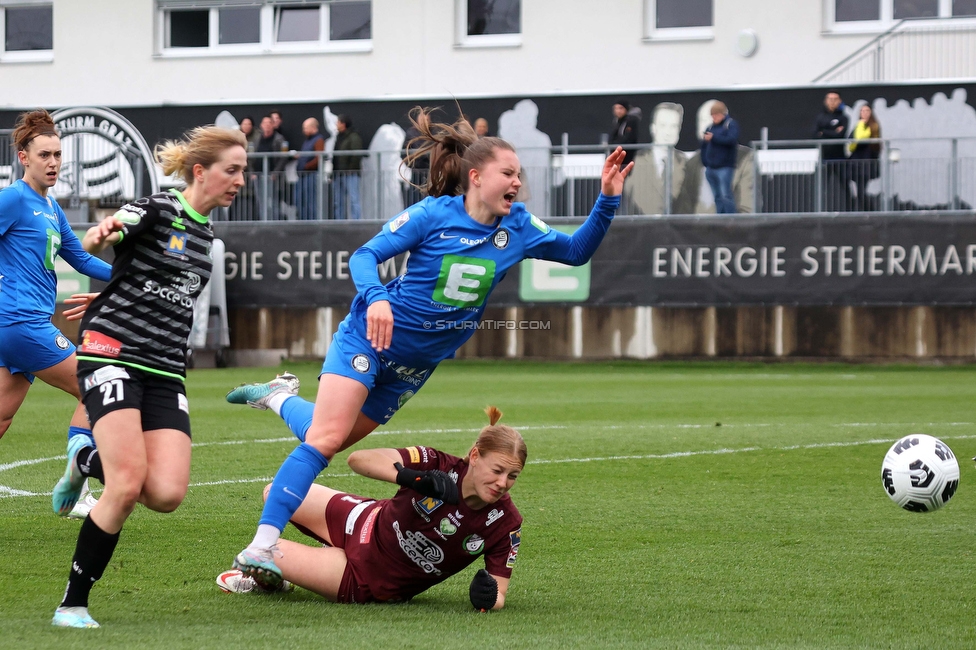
[260, 565]
[73, 617]
[83, 507]
[68, 489]
[233, 581]
[257, 395]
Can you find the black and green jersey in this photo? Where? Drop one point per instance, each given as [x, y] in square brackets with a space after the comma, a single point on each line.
[143, 317]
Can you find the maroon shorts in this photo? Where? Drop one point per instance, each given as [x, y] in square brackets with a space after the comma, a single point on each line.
[350, 519]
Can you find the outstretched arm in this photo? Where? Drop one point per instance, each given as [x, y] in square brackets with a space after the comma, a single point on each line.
[106, 233]
[375, 463]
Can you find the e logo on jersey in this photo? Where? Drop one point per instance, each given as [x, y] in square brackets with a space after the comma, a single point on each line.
[360, 363]
[464, 281]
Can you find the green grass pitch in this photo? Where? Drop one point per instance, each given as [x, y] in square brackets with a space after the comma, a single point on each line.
[666, 505]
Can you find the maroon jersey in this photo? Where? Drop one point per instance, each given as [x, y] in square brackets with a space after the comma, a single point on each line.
[405, 545]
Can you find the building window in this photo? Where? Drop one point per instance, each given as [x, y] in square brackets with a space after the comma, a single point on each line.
[28, 31]
[679, 19]
[189, 29]
[350, 21]
[878, 15]
[194, 27]
[297, 24]
[489, 23]
[237, 25]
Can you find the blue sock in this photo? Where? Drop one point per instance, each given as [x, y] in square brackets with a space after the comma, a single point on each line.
[297, 414]
[291, 484]
[81, 431]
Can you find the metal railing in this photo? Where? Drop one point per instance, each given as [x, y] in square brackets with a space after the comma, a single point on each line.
[911, 50]
[777, 176]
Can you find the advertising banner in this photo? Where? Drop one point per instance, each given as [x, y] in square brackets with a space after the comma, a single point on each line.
[923, 259]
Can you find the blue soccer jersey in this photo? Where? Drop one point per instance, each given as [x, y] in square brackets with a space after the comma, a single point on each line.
[33, 231]
[455, 262]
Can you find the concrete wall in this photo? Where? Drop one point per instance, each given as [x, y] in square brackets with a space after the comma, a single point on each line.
[894, 333]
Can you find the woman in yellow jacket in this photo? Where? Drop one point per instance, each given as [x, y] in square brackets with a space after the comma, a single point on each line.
[864, 155]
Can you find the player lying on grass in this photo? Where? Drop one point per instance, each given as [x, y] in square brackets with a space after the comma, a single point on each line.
[448, 512]
[462, 240]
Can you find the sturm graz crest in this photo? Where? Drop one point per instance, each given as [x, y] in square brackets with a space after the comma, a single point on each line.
[103, 156]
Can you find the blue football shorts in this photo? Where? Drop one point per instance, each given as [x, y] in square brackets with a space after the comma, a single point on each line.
[26, 348]
[390, 384]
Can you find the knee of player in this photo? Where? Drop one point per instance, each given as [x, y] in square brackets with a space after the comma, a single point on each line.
[168, 501]
[267, 490]
[327, 441]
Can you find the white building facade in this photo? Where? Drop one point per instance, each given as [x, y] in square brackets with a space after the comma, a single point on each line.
[165, 52]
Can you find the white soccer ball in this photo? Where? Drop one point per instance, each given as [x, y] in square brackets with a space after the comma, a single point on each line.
[920, 473]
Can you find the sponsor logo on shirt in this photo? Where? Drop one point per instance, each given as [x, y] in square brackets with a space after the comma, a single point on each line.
[512, 556]
[360, 363]
[177, 245]
[475, 242]
[474, 544]
[494, 516]
[399, 221]
[446, 527]
[426, 506]
[100, 344]
[421, 550]
[174, 294]
[414, 454]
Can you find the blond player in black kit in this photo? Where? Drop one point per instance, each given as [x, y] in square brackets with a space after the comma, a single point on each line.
[131, 361]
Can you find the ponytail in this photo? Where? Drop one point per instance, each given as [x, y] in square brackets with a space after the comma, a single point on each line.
[500, 439]
[454, 150]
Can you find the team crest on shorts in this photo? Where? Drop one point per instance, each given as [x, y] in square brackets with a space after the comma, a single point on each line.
[62, 342]
[360, 363]
[500, 239]
[404, 398]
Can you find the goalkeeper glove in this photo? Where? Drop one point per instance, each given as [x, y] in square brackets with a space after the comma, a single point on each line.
[432, 483]
[483, 591]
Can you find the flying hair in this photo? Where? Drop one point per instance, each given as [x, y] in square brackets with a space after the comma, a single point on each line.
[200, 146]
[30, 125]
[454, 150]
[500, 439]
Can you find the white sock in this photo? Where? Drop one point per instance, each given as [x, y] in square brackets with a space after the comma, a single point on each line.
[79, 611]
[275, 402]
[266, 537]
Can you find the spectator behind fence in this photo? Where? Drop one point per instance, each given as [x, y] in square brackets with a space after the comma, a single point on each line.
[267, 189]
[625, 127]
[644, 193]
[481, 128]
[720, 144]
[864, 164]
[346, 169]
[307, 188]
[832, 124]
[247, 128]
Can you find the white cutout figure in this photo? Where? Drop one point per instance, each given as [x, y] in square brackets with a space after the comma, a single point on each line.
[380, 187]
[518, 126]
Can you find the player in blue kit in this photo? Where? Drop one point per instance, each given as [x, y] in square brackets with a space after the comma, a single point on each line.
[462, 241]
[33, 233]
